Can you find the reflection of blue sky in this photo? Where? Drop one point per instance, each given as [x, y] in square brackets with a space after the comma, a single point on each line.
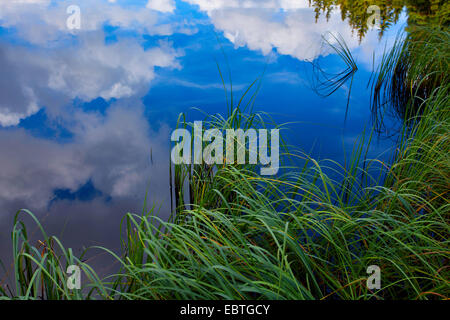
[80, 111]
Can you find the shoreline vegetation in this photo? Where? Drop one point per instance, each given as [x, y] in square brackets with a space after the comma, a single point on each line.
[421, 13]
[303, 234]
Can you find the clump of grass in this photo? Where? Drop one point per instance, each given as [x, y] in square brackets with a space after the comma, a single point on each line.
[40, 270]
[304, 234]
[410, 72]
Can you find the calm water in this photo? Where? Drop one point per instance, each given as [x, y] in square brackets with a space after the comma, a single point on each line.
[81, 109]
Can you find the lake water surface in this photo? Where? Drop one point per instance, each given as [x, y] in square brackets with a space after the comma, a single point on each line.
[86, 113]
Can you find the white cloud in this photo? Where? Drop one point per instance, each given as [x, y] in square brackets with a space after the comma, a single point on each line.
[10, 117]
[289, 26]
[43, 22]
[161, 5]
[112, 150]
[95, 70]
[210, 5]
[62, 64]
[53, 76]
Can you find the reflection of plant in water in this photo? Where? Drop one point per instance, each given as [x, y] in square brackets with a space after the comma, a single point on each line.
[413, 69]
[420, 12]
[325, 83]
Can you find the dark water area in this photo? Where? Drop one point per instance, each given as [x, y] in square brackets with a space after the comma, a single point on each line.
[86, 114]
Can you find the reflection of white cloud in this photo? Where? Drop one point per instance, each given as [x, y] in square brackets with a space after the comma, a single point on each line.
[112, 150]
[161, 5]
[286, 77]
[41, 22]
[51, 73]
[121, 69]
[89, 70]
[62, 65]
[288, 26]
[48, 67]
[11, 117]
[209, 5]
